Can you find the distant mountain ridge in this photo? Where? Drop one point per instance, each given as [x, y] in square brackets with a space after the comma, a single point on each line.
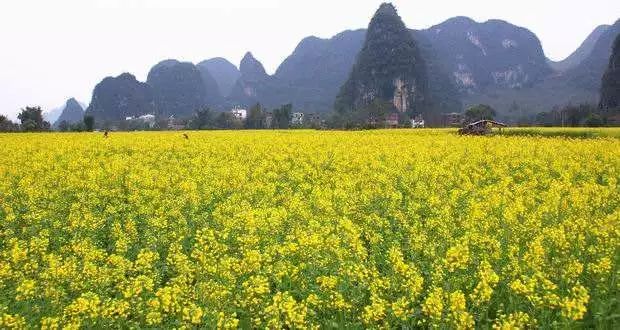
[580, 53]
[466, 62]
[587, 75]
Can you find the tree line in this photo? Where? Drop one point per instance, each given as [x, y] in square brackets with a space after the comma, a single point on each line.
[31, 120]
[258, 117]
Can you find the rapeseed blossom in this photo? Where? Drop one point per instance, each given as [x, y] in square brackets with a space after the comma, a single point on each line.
[305, 229]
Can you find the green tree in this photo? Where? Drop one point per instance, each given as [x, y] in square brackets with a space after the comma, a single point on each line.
[226, 120]
[7, 125]
[374, 113]
[31, 119]
[479, 112]
[77, 127]
[89, 123]
[593, 120]
[256, 117]
[202, 119]
[282, 116]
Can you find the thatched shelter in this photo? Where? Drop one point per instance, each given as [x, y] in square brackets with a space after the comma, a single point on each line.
[481, 127]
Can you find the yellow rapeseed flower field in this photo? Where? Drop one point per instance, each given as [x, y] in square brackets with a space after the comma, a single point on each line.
[308, 229]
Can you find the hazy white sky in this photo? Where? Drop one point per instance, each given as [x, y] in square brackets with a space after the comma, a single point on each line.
[55, 49]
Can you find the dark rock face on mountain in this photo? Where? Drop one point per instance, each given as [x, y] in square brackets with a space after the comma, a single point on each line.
[610, 89]
[388, 68]
[582, 52]
[254, 85]
[116, 98]
[72, 113]
[224, 73]
[212, 91]
[178, 88]
[587, 75]
[442, 89]
[490, 54]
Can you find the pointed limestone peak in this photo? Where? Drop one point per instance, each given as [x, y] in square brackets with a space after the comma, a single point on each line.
[248, 57]
[251, 68]
[73, 112]
[72, 102]
[386, 16]
[389, 68]
[387, 8]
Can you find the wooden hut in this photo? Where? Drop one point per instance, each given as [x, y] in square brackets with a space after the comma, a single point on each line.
[481, 127]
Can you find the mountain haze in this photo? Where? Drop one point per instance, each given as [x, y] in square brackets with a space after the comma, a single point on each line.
[587, 75]
[254, 84]
[72, 113]
[224, 73]
[582, 52]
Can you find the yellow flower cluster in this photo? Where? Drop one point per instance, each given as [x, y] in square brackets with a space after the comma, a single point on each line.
[308, 229]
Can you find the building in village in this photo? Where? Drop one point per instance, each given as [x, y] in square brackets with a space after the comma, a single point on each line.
[268, 121]
[297, 118]
[391, 120]
[313, 120]
[175, 124]
[148, 120]
[417, 122]
[239, 113]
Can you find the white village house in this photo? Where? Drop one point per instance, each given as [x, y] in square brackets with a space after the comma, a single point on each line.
[297, 118]
[239, 113]
[417, 122]
[144, 119]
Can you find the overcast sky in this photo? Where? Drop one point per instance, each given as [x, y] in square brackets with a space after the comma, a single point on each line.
[55, 49]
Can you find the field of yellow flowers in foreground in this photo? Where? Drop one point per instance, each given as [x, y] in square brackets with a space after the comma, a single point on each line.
[308, 229]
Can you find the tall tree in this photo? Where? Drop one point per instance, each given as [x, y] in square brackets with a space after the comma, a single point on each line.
[256, 117]
[282, 116]
[479, 112]
[89, 123]
[226, 120]
[32, 120]
[202, 119]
